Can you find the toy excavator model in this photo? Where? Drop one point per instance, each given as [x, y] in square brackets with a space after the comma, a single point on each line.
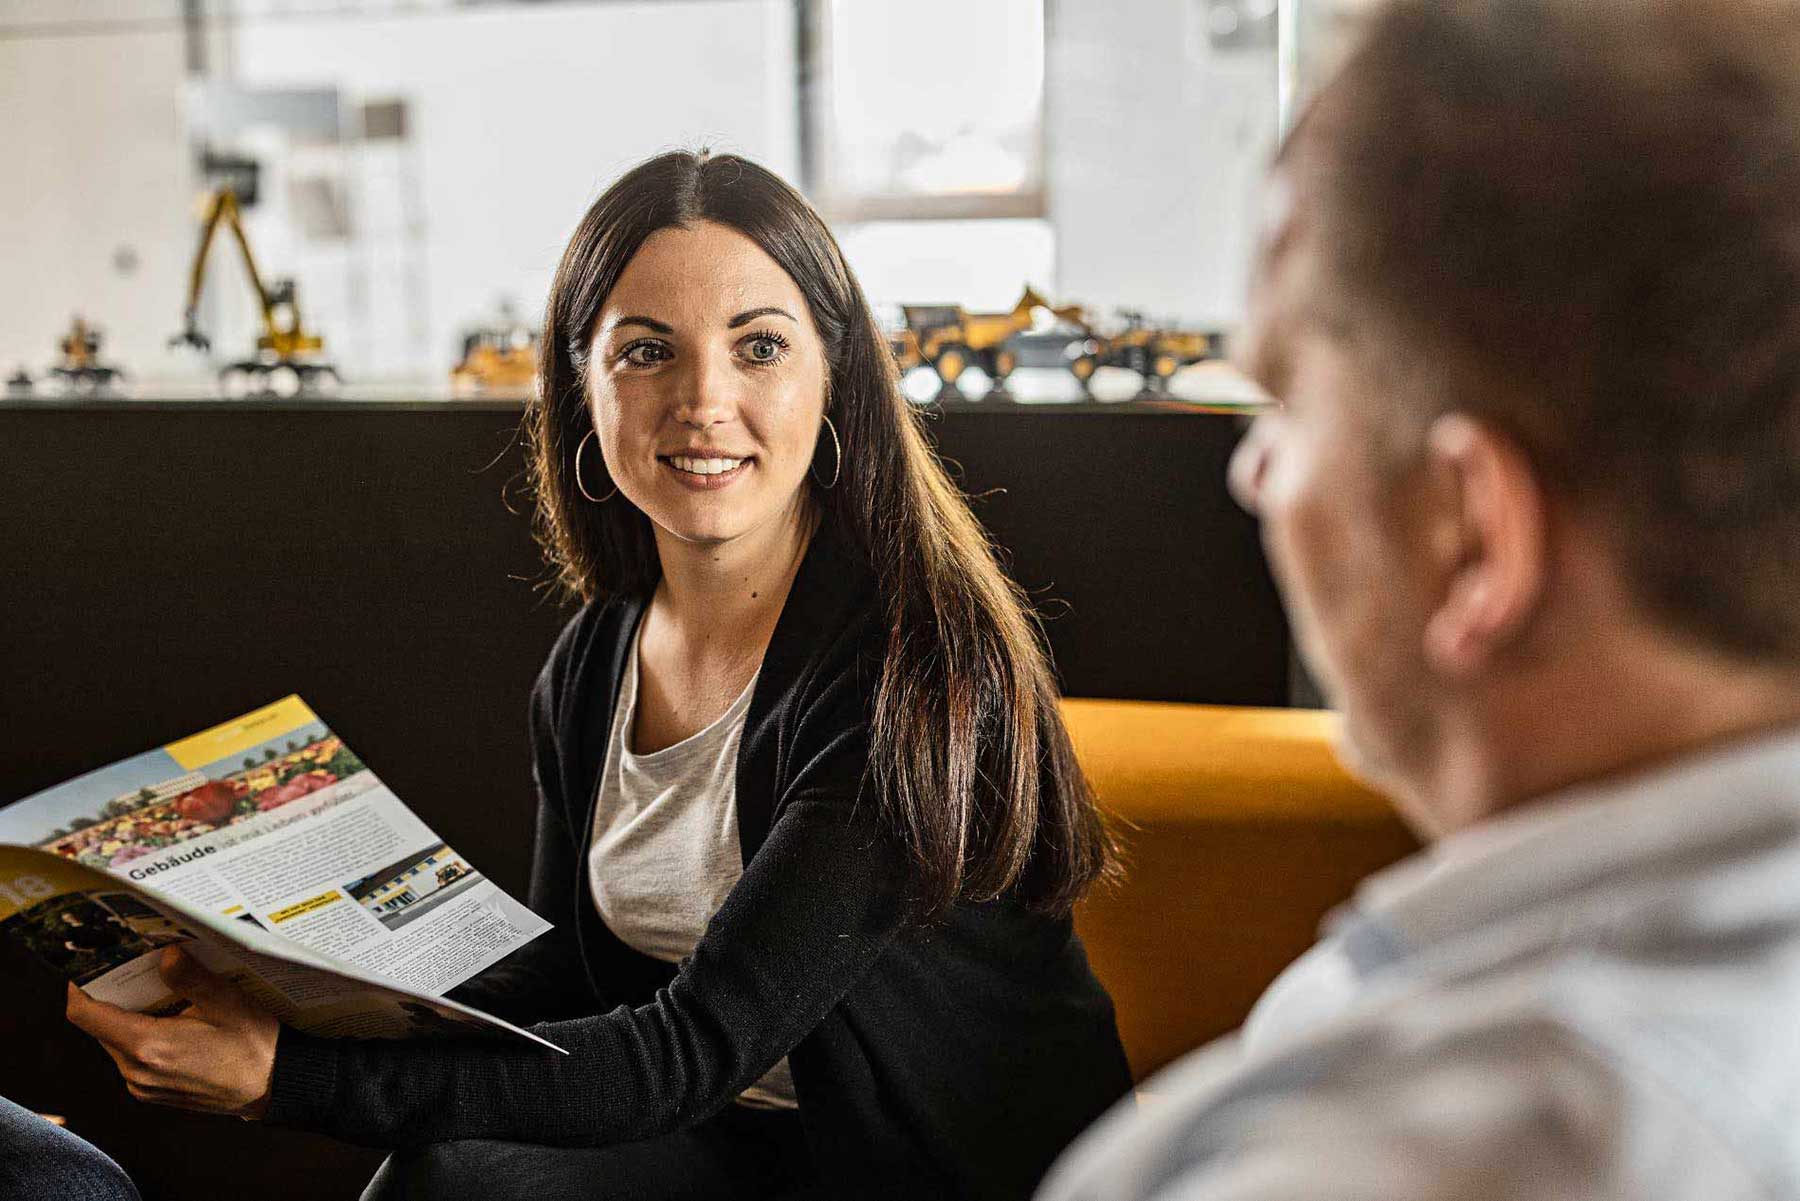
[284, 350]
[1155, 354]
[80, 366]
[952, 340]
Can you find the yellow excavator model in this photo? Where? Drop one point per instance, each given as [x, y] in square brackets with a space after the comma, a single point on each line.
[952, 340]
[287, 357]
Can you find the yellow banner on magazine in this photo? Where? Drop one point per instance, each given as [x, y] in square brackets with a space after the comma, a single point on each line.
[241, 733]
[310, 905]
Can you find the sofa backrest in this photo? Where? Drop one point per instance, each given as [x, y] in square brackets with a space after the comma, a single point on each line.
[1240, 832]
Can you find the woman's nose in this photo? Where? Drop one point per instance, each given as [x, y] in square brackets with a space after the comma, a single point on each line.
[1249, 464]
[708, 394]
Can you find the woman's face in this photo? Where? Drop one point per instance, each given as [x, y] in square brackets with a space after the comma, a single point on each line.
[706, 380]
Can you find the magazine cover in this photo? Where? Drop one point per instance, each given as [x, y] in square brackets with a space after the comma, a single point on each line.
[268, 845]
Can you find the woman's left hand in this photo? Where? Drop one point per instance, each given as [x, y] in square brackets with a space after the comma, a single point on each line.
[216, 1056]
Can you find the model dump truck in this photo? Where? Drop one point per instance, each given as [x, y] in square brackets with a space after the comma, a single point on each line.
[1156, 354]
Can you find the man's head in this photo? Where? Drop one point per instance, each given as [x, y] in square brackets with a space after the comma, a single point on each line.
[1531, 299]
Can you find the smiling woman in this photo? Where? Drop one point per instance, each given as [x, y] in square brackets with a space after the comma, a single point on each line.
[810, 827]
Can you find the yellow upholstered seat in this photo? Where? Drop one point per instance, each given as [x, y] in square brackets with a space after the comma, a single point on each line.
[1240, 832]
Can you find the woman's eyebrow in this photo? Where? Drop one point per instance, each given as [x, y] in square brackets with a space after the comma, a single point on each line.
[750, 315]
[650, 323]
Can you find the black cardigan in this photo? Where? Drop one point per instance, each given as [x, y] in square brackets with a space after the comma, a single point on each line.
[949, 1061]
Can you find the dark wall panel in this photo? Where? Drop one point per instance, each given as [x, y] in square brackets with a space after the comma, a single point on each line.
[1150, 579]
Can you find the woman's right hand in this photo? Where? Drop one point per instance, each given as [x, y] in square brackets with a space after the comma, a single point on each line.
[216, 1056]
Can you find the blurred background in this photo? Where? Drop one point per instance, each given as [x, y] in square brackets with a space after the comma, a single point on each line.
[415, 166]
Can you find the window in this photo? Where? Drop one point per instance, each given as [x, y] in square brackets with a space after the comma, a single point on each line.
[929, 109]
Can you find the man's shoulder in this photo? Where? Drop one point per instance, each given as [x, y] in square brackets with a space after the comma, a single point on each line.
[1501, 1100]
[1648, 1019]
[1599, 1067]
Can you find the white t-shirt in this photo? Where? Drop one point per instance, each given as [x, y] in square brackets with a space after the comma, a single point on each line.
[664, 851]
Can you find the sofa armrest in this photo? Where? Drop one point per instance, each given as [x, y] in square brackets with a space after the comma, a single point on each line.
[1240, 831]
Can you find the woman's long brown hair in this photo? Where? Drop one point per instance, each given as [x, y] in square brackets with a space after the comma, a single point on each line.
[968, 754]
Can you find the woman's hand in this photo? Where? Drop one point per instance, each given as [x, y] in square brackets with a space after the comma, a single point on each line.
[216, 1056]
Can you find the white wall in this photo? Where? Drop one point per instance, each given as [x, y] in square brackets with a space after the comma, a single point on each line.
[95, 162]
[520, 117]
[1155, 143]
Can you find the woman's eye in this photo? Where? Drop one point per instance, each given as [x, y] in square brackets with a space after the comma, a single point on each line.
[764, 348]
[644, 354]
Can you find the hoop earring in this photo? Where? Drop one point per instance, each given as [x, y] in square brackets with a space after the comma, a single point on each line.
[837, 456]
[581, 483]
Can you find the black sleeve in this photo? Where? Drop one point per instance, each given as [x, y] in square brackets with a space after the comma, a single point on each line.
[813, 911]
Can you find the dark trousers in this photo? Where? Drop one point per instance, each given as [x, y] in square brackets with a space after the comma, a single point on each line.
[741, 1154]
[39, 1161]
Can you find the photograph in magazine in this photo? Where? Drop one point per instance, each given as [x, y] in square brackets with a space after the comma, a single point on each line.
[410, 888]
[106, 942]
[162, 804]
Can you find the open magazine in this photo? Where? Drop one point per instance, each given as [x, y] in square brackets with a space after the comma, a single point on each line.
[280, 861]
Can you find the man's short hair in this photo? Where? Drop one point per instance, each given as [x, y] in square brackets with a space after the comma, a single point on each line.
[1586, 213]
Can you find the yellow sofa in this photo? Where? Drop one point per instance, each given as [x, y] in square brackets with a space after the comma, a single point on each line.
[1240, 832]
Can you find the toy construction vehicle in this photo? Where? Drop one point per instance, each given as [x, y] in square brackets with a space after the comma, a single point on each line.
[497, 358]
[80, 367]
[952, 340]
[1155, 354]
[287, 357]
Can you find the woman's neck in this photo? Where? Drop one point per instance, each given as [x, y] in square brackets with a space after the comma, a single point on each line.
[725, 594]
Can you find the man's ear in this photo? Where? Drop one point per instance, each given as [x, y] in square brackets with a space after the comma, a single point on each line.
[1497, 508]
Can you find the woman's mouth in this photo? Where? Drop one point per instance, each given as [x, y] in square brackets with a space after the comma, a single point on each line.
[704, 473]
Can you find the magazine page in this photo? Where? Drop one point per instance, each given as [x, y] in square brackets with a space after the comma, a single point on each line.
[107, 936]
[270, 820]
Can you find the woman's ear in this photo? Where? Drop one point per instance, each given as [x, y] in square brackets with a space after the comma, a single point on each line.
[1495, 544]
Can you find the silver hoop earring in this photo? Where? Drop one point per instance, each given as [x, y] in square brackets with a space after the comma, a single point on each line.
[581, 483]
[837, 460]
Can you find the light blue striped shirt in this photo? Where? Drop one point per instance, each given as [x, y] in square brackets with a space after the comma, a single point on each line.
[1594, 996]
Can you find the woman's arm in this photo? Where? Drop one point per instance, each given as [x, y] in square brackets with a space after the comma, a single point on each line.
[813, 911]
